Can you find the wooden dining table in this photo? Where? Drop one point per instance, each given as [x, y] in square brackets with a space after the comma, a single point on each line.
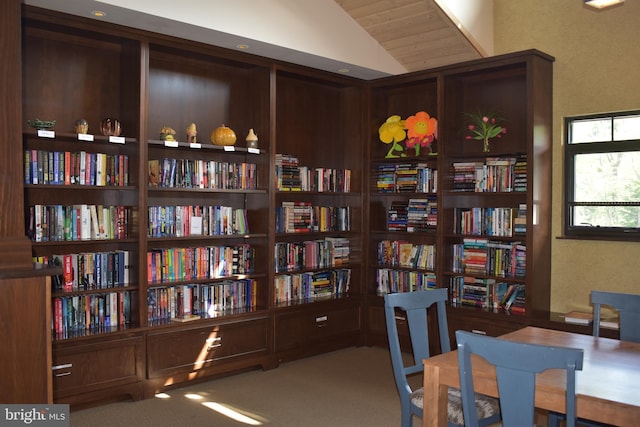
[608, 387]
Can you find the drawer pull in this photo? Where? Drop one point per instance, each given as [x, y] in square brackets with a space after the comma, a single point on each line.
[65, 366]
[214, 342]
[321, 319]
[478, 331]
[63, 374]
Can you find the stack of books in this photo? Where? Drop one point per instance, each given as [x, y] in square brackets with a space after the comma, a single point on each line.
[397, 217]
[288, 173]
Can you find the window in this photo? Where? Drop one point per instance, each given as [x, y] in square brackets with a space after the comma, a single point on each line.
[602, 176]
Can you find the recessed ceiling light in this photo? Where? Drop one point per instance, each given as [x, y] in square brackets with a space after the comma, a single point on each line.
[99, 13]
[343, 70]
[242, 46]
[603, 4]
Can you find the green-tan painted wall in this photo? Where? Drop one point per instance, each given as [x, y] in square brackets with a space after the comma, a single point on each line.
[597, 69]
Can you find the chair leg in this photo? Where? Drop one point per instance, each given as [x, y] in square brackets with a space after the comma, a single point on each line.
[553, 420]
[407, 417]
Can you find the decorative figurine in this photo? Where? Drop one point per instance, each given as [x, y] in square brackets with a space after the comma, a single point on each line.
[223, 136]
[110, 127]
[81, 126]
[41, 124]
[252, 139]
[167, 134]
[191, 133]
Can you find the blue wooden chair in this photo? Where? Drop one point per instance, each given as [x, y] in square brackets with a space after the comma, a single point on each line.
[415, 305]
[516, 367]
[628, 307]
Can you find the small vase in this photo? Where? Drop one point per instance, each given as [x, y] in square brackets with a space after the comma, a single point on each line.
[485, 145]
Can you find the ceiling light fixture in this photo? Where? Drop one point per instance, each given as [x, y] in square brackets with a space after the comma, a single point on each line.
[242, 46]
[343, 70]
[99, 13]
[603, 4]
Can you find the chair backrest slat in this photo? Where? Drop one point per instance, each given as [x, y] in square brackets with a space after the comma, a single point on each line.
[628, 307]
[516, 367]
[414, 305]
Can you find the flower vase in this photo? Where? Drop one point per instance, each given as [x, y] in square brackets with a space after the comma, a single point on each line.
[485, 145]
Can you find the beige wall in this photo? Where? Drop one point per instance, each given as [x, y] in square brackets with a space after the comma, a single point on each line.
[597, 69]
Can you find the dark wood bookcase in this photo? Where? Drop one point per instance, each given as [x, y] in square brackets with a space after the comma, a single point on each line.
[319, 121]
[403, 96]
[519, 87]
[76, 68]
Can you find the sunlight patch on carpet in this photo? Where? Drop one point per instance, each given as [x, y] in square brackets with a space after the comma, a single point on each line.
[231, 413]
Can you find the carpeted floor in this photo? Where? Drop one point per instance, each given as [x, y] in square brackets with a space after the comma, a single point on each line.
[346, 388]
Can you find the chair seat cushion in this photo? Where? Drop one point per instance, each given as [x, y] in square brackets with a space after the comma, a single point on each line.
[485, 406]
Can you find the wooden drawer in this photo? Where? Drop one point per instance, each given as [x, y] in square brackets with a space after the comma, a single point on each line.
[300, 328]
[79, 369]
[195, 349]
[479, 324]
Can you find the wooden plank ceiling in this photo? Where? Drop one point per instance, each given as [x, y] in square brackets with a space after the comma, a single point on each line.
[417, 33]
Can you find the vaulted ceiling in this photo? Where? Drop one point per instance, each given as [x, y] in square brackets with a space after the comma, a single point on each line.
[417, 33]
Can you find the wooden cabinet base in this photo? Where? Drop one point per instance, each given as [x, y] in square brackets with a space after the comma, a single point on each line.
[179, 355]
[317, 328]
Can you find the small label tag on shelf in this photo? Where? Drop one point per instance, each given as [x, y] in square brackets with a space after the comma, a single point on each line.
[116, 139]
[43, 133]
[229, 148]
[172, 144]
[195, 145]
[253, 150]
[85, 137]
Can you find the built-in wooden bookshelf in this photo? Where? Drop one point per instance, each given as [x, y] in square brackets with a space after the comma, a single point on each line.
[510, 196]
[229, 263]
[403, 199]
[317, 212]
[490, 205]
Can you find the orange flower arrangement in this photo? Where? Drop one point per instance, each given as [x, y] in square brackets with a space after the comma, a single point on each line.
[422, 130]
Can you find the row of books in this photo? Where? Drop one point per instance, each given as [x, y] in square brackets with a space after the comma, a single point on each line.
[179, 221]
[90, 270]
[494, 221]
[194, 301]
[211, 174]
[196, 263]
[414, 215]
[79, 315]
[75, 168]
[310, 285]
[389, 280]
[402, 253]
[311, 254]
[304, 217]
[291, 176]
[490, 257]
[406, 177]
[46, 223]
[487, 293]
[494, 174]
